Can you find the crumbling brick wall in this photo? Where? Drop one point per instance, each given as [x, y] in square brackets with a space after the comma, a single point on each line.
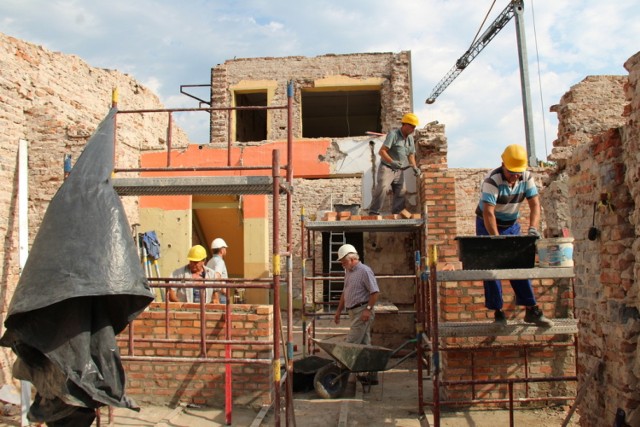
[55, 102]
[599, 138]
[394, 69]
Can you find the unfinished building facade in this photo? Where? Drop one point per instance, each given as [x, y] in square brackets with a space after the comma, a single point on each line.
[54, 101]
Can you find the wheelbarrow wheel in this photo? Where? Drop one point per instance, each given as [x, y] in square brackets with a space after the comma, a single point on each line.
[330, 381]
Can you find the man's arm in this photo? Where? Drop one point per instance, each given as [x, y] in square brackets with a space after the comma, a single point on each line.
[218, 275]
[384, 155]
[412, 160]
[366, 314]
[489, 218]
[534, 211]
[171, 295]
[336, 318]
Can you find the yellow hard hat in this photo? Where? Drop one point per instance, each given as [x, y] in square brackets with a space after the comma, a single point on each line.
[197, 253]
[410, 118]
[514, 158]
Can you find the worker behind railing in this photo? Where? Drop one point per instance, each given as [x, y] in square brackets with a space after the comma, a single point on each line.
[217, 264]
[194, 270]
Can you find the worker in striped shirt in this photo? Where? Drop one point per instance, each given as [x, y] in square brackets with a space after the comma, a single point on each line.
[501, 194]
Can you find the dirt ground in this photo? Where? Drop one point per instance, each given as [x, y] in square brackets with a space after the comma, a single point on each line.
[394, 403]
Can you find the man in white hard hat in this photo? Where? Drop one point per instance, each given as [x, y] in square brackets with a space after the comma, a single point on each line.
[359, 296]
[194, 270]
[217, 264]
[398, 152]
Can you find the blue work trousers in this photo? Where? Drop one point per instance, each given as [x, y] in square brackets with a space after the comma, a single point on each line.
[493, 288]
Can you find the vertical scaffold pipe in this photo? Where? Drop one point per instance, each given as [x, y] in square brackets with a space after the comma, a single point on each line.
[433, 263]
[289, 382]
[275, 172]
[228, 373]
[419, 330]
[114, 97]
[303, 269]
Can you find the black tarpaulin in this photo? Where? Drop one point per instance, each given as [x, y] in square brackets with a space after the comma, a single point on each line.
[82, 284]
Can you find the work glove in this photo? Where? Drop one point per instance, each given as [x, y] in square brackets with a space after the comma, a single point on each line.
[396, 164]
[416, 171]
[534, 232]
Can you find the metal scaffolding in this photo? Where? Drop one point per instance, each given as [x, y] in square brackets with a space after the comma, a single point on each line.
[278, 184]
[311, 312]
[441, 334]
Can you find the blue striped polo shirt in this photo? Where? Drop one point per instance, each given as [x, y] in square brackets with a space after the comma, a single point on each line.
[495, 190]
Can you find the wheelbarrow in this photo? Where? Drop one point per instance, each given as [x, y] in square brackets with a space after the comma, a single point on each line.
[331, 380]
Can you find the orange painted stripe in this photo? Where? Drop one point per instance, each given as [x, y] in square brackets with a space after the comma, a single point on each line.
[307, 163]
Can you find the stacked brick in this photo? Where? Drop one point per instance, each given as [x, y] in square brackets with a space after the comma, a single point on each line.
[198, 382]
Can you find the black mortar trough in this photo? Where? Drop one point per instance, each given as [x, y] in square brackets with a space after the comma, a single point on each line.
[496, 252]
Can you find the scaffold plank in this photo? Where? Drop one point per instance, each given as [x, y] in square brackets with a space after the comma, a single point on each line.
[186, 185]
[513, 328]
[366, 225]
[520, 273]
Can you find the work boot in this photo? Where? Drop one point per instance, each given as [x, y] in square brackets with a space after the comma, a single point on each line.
[499, 318]
[534, 315]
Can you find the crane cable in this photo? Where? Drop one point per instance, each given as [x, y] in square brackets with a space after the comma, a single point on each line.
[535, 38]
[482, 24]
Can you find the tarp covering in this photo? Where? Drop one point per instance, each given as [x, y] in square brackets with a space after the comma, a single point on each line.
[81, 285]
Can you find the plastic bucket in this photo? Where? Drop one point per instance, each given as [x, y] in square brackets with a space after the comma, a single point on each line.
[555, 252]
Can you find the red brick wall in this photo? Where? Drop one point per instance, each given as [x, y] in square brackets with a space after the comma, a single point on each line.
[170, 382]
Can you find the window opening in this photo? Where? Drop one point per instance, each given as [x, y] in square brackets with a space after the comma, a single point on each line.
[251, 125]
[340, 113]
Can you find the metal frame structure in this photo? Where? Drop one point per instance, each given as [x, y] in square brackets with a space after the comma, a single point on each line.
[415, 226]
[437, 330]
[274, 185]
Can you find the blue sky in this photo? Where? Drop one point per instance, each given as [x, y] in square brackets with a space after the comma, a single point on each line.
[166, 43]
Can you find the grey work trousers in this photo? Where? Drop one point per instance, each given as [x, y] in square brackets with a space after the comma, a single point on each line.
[359, 331]
[386, 177]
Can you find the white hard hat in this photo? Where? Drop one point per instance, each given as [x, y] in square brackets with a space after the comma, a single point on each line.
[218, 243]
[345, 250]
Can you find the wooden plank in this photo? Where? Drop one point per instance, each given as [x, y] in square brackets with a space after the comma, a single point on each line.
[513, 328]
[520, 273]
[257, 422]
[385, 307]
[343, 421]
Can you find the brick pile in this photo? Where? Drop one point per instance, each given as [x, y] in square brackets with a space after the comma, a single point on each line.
[198, 382]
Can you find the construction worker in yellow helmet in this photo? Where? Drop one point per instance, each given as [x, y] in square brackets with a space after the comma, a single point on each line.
[397, 153]
[193, 272]
[501, 194]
